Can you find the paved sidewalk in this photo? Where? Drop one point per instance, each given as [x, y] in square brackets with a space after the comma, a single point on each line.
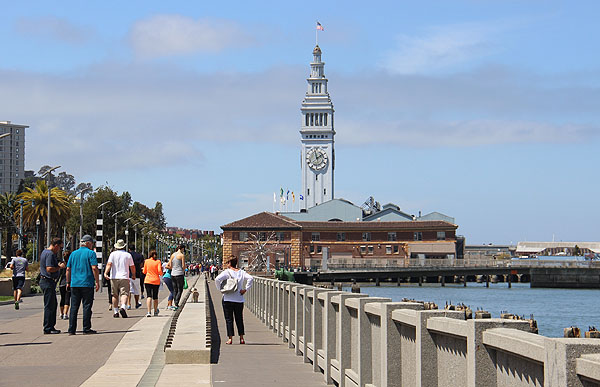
[30, 358]
[265, 360]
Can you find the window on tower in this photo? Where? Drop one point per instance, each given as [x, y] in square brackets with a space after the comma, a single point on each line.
[308, 192]
[325, 120]
[306, 117]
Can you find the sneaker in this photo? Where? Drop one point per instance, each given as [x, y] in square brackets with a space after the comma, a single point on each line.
[90, 332]
[148, 315]
[110, 307]
[71, 333]
[137, 306]
[156, 312]
[116, 315]
[128, 307]
[52, 332]
[17, 305]
[142, 297]
[123, 312]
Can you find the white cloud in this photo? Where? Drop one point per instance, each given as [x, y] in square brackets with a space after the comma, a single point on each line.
[53, 28]
[440, 48]
[166, 35]
[132, 117]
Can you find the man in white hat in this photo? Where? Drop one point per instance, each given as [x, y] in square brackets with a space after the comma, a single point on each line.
[118, 267]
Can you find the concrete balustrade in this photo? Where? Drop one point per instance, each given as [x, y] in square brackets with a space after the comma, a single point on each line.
[356, 340]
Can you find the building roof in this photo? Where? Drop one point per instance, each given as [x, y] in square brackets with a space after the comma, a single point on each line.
[271, 221]
[412, 225]
[263, 220]
[537, 247]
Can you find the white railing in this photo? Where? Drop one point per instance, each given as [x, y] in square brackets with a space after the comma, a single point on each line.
[356, 340]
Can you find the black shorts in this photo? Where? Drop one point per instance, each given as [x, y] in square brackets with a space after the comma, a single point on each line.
[18, 282]
[152, 291]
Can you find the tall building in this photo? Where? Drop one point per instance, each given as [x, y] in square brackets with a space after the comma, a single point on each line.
[12, 156]
[318, 155]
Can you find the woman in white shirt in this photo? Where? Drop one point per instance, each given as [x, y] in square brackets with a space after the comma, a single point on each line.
[233, 303]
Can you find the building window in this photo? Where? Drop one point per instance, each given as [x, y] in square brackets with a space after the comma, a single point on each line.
[315, 237]
[262, 236]
[370, 249]
[324, 191]
[363, 250]
[396, 249]
[312, 249]
[308, 192]
[280, 236]
[441, 235]
[388, 249]
[243, 236]
[307, 120]
[418, 236]
[325, 121]
[319, 250]
[366, 236]
[392, 237]
[341, 236]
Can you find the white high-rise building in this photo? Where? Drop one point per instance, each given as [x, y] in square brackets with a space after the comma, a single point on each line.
[12, 156]
[318, 155]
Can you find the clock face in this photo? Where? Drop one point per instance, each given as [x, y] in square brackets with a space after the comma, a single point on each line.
[316, 159]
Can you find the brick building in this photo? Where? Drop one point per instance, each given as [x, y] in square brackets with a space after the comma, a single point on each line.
[296, 243]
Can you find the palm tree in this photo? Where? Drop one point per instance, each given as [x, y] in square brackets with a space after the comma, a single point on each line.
[60, 206]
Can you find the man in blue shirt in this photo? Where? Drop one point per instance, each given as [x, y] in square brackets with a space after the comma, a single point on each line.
[49, 273]
[82, 274]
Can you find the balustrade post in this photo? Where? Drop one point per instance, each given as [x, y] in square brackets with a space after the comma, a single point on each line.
[330, 334]
[344, 331]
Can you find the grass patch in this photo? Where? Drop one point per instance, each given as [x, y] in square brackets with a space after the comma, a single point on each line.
[6, 298]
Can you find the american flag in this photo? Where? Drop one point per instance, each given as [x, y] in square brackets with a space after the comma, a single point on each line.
[320, 27]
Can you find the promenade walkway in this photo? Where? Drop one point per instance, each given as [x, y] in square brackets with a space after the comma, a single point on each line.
[265, 360]
[30, 358]
[129, 352]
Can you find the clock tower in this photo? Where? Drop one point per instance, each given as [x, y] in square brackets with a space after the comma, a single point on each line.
[318, 156]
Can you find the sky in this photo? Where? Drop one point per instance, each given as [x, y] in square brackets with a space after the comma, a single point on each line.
[486, 111]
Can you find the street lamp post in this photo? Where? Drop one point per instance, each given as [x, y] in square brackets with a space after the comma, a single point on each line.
[115, 215]
[81, 210]
[47, 173]
[135, 240]
[127, 230]
[21, 226]
[37, 238]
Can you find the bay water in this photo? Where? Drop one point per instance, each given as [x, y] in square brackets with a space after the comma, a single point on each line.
[554, 309]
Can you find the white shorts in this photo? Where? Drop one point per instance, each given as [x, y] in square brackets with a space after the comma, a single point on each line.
[134, 287]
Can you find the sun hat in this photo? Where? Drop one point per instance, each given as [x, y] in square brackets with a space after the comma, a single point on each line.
[120, 245]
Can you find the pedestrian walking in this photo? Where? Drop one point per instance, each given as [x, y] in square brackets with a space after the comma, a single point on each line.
[233, 302]
[49, 273]
[169, 283]
[119, 265]
[176, 264]
[152, 270]
[65, 294]
[18, 265]
[138, 261]
[82, 277]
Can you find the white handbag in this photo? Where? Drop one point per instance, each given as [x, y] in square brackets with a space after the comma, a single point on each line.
[229, 286]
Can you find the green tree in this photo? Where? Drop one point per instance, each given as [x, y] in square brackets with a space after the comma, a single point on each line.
[9, 205]
[36, 207]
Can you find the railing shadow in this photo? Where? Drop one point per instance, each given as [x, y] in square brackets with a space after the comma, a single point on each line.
[215, 336]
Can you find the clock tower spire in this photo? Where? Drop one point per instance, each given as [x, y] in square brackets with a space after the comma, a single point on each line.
[317, 137]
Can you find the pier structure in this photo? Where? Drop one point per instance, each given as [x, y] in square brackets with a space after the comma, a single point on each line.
[540, 274]
[356, 340]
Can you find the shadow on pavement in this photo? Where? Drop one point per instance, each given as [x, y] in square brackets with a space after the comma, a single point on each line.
[22, 344]
[215, 336]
